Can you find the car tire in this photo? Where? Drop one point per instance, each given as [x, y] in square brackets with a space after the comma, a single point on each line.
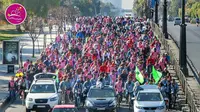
[28, 110]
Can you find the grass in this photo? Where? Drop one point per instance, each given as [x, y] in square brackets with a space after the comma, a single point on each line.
[7, 32]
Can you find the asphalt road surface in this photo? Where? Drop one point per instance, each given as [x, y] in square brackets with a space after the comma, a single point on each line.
[193, 41]
[17, 107]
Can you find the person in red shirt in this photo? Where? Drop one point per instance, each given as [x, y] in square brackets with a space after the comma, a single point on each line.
[103, 68]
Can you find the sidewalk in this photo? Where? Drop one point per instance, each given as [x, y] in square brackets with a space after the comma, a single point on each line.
[27, 54]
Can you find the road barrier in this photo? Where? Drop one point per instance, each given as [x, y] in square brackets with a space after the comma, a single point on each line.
[190, 95]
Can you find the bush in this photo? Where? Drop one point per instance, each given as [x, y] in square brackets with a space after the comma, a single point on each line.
[193, 21]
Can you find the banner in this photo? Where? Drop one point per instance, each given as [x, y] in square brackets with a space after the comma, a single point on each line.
[11, 52]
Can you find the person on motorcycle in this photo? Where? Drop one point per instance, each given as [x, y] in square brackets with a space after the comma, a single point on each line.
[174, 89]
[136, 88]
[129, 89]
[65, 86]
[86, 87]
[77, 90]
[107, 79]
[197, 21]
[119, 87]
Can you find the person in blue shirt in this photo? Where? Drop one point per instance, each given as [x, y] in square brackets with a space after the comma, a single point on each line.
[65, 85]
[86, 86]
[77, 90]
[80, 35]
[129, 85]
[93, 80]
[197, 21]
[107, 79]
[174, 90]
[47, 62]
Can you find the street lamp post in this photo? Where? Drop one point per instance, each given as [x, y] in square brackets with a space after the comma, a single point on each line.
[183, 48]
[164, 26]
[156, 12]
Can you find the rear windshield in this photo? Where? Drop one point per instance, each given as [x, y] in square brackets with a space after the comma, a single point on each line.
[178, 18]
[96, 93]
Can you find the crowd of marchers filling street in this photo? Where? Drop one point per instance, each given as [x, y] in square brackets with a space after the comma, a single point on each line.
[120, 56]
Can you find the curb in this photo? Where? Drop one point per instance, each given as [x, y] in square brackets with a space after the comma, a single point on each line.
[5, 102]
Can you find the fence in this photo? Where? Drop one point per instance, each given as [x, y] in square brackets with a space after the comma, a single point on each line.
[190, 96]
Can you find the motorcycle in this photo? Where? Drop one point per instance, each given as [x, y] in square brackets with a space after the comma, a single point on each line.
[67, 96]
[166, 103]
[78, 97]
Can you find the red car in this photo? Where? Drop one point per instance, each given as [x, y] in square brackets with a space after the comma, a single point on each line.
[64, 108]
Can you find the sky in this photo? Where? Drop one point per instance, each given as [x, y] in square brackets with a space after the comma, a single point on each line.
[127, 4]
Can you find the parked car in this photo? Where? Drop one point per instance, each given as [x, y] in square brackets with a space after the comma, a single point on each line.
[177, 21]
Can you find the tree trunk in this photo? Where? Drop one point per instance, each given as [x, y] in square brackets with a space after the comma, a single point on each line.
[33, 54]
[18, 28]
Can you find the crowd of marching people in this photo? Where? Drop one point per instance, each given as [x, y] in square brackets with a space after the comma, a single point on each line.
[103, 51]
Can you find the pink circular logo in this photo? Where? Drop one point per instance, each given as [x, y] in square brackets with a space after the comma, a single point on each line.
[15, 14]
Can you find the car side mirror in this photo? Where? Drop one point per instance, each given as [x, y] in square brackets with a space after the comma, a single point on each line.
[26, 91]
[59, 91]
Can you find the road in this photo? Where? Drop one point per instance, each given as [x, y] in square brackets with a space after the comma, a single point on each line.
[193, 41]
[17, 107]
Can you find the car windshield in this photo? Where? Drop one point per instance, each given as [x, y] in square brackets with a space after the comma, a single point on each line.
[64, 110]
[178, 19]
[149, 97]
[42, 88]
[96, 93]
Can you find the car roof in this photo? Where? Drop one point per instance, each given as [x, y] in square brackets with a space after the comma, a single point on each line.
[44, 81]
[104, 87]
[149, 86]
[64, 106]
[150, 91]
[45, 75]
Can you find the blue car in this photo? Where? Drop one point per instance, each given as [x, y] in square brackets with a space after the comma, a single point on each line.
[101, 99]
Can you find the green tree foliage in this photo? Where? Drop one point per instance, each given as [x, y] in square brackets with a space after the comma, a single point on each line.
[174, 8]
[141, 8]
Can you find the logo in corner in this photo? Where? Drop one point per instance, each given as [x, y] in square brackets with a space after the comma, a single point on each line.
[15, 14]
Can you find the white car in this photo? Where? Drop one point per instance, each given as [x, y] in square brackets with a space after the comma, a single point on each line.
[42, 95]
[149, 100]
[177, 21]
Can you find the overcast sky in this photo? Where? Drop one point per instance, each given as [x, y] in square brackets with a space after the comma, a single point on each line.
[127, 4]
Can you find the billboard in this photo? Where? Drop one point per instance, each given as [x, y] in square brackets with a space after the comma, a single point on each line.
[11, 52]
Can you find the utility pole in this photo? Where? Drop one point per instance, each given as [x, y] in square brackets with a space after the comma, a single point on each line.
[156, 12]
[164, 27]
[183, 48]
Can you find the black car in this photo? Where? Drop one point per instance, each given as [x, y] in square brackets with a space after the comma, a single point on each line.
[101, 99]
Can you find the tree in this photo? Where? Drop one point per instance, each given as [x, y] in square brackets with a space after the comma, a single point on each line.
[34, 32]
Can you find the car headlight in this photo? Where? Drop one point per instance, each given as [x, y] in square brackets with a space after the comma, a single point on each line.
[88, 104]
[30, 99]
[114, 103]
[53, 99]
[161, 107]
[139, 107]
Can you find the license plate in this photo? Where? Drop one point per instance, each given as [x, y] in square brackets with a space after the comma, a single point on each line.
[150, 111]
[100, 108]
[41, 106]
